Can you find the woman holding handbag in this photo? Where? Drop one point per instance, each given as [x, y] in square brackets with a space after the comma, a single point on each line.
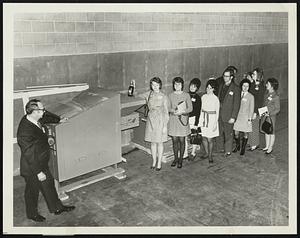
[272, 102]
[180, 106]
[157, 121]
[209, 118]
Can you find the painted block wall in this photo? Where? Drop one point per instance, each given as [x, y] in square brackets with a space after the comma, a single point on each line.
[47, 34]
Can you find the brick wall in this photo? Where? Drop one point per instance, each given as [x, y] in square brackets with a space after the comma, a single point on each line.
[50, 34]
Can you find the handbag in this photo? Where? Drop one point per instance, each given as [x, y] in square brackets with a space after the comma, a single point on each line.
[196, 136]
[267, 126]
[145, 107]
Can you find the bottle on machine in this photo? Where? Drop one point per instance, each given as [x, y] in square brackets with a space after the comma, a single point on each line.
[131, 88]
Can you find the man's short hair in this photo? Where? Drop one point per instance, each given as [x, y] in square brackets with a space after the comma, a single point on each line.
[232, 68]
[31, 106]
[230, 71]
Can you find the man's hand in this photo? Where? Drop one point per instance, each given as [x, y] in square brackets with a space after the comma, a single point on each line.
[64, 119]
[231, 121]
[254, 116]
[41, 176]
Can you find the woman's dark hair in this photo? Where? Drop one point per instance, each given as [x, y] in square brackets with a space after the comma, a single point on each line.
[245, 81]
[156, 80]
[260, 73]
[248, 74]
[274, 83]
[31, 106]
[196, 82]
[213, 84]
[178, 80]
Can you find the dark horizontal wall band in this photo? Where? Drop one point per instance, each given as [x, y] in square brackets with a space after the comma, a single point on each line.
[115, 70]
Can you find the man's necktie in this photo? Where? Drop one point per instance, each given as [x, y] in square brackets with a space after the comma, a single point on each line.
[40, 126]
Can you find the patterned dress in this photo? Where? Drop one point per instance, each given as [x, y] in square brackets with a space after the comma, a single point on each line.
[179, 127]
[245, 113]
[208, 116]
[258, 91]
[158, 117]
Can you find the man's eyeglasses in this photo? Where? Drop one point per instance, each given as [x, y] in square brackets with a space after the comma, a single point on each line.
[226, 76]
[41, 109]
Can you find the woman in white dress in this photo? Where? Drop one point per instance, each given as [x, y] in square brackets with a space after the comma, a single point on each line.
[209, 118]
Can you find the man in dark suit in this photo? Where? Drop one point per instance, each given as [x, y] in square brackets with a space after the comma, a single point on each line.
[230, 97]
[35, 153]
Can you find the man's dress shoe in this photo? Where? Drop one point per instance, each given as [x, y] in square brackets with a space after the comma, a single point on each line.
[64, 209]
[37, 218]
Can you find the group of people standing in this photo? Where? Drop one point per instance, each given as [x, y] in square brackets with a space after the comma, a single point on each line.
[225, 112]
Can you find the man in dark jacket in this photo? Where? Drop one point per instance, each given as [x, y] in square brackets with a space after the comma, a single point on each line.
[35, 154]
[230, 97]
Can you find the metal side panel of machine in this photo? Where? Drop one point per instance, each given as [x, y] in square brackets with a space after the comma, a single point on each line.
[90, 140]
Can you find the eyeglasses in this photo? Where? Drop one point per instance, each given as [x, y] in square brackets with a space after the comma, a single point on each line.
[226, 76]
[41, 109]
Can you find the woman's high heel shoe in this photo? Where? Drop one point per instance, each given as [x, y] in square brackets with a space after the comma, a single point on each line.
[152, 167]
[253, 148]
[268, 152]
[174, 163]
[158, 169]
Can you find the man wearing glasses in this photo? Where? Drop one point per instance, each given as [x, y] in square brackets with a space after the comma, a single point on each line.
[35, 154]
[230, 97]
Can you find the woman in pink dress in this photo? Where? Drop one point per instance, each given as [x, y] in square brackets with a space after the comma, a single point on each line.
[157, 121]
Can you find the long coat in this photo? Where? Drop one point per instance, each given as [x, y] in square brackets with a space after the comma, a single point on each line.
[230, 106]
[33, 141]
[272, 102]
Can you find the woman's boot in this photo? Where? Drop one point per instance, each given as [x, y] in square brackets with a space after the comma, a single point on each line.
[237, 144]
[174, 162]
[244, 143]
[179, 165]
[210, 148]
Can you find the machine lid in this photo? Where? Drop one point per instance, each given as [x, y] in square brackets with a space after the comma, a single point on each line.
[81, 102]
[69, 109]
[93, 96]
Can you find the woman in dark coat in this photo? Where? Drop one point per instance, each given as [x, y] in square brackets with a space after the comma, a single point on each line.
[272, 102]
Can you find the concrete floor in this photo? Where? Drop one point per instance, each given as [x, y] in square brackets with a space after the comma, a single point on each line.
[240, 191]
